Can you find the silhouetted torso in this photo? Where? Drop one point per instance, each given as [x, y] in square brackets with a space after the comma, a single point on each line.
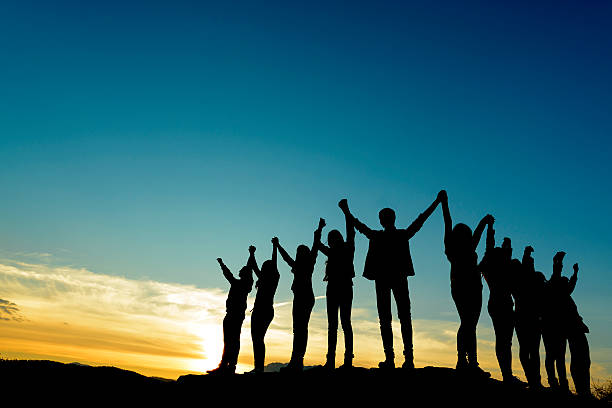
[464, 270]
[237, 297]
[340, 269]
[266, 289]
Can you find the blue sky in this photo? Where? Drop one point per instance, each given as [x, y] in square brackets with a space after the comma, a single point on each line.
[147, 139]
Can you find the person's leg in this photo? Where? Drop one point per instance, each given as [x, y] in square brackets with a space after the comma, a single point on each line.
[502, 324]
[522, 335]
[560, 362]
[296, 313]
[257, 338]
[307, 312]
[383, 304]
[402, 300]
[475, 307]
[580, 365]
[457, 295]
[332, 300]
[234, 329]
[346, 304]
[549, 360]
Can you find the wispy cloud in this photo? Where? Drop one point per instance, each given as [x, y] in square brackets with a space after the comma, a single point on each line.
[9, 311]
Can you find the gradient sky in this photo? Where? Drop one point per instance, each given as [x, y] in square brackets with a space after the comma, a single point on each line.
[140, 141]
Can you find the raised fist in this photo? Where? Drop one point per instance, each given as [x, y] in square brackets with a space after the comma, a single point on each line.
[275, 241]
[343, 204]
[321, 223]
[442, 196]
[220, 261]
[252, 249]
[489, 219]
[575, 268]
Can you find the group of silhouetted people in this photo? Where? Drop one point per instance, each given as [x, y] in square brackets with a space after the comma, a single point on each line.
[520, 298]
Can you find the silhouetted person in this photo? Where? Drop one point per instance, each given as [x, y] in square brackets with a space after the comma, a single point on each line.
[389, 264]
[553, 333]
[236, 305]
[303, 296]
[496, 267]
[263, 310]
[528, 292]
[580, 365]
[339, 274]
[466, 284]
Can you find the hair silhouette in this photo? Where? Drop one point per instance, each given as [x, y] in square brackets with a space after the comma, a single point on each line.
[236, 305]
[389, 264]
[303, 296]
[466, 284]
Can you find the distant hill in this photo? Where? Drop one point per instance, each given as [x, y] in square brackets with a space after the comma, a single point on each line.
[71, 384]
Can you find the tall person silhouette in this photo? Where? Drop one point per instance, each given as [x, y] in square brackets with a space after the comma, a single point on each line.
[496, 268]
[576, 330]
[339, 274]
[388, 264]
[236, 305]
[263, 310]
[466, 284]
[553, 333]
[528, 292]
[303, 296]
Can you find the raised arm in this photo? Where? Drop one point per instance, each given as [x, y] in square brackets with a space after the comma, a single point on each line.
[316, 244]
[487, 219]
[361, 227]
[226, 272]
[252, 263]
[274, 251]
[448, 222]
[490, 240]
[349, 222]
[285, 255]
[420, 220]
[573, 279]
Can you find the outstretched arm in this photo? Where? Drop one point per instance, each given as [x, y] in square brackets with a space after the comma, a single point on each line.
[487, 219]
[285, 255]
[349, 221]
[274, 251]
[490, 240]
[226, 272]
[448, 222]
[573, 279]
[418, 223]
[252, 263]
[361, 227]
[316, 244]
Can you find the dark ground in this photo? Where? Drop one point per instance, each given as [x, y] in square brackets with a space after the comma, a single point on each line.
[71, 384]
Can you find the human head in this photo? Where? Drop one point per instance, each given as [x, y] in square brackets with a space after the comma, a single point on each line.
[302, 253]
[245, 272]
[387, 218]
[507, 247]
[334, 239]
[462, 234]
[267, 267]
[558, 261]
